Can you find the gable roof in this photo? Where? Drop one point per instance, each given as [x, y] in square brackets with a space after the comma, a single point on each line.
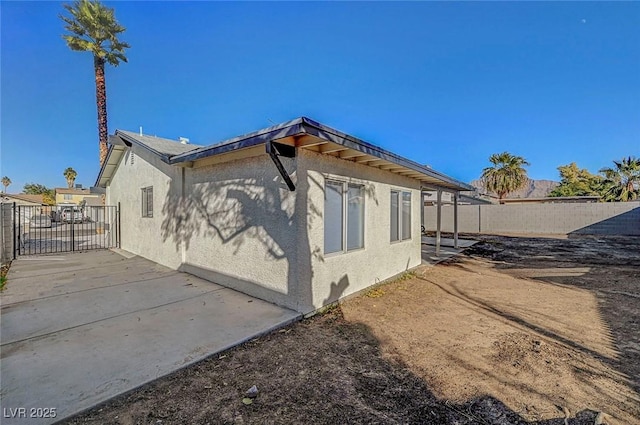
[121, 140]
[157, 145]
[33, 199]
[300, 133]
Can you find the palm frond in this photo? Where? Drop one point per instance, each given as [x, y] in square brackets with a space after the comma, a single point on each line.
[506, 175]
[93, 27]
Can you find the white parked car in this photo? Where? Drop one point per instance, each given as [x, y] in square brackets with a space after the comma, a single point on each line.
[39, 221]
[72, 215]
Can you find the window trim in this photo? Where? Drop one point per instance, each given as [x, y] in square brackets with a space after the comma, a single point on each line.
[400, 193]
[345, 200]
[146, 192]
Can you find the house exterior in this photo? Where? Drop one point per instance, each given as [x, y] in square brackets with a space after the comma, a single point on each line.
[23, 199]
[298, 214]
[74, 196]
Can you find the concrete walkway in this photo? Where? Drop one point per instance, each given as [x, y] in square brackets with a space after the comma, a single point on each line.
[81, 328]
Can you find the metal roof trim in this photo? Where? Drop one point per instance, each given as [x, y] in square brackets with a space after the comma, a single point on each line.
[104, 165]
[298, 126]
[330, 134]
[163, 156]
[280, 131]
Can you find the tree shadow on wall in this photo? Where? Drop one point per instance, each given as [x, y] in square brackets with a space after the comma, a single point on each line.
[253, 206]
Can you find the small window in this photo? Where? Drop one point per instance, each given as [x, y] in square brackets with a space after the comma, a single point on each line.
[343, 217]
[400, 215]
[68, 197]
[147, 201]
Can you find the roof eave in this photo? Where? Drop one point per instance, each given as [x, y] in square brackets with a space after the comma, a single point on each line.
[108, 167]
[290, 128]
[335, 136]
[132, 140]
[297, 127]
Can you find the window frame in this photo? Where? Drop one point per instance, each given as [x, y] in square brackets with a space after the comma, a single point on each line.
[401, 193]
[345, 219]
[67, 196]
[147, 210]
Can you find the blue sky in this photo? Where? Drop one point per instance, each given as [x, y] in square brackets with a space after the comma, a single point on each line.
[443, 83]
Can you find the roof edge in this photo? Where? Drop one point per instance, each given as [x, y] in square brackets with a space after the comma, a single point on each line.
[104, 165]
[127, 138]
[279, 131]
[382, 153]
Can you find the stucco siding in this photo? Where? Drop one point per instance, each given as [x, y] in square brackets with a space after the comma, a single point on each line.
[337, 275]
[144, 235]
[239, 228]
[237, 224]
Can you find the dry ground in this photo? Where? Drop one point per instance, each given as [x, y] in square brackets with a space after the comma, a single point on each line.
[540, 331]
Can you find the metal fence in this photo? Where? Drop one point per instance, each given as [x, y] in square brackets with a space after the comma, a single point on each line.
[46, 230]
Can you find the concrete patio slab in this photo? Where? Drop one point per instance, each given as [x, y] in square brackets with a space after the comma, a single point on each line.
[447, 250]
[462, 243]
[81, 328]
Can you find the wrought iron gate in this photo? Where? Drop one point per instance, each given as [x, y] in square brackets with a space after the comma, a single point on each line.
[45, 230]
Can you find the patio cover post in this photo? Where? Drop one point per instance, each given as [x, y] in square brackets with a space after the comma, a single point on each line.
[421, 210]
[455, 220]
[438, 222]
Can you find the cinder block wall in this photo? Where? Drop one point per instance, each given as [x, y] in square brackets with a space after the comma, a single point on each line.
[6, 233]
[607, 218]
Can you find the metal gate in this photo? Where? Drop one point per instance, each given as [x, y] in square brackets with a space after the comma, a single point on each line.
[46, 230]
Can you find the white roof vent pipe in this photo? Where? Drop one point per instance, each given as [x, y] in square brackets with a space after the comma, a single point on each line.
[183, 140]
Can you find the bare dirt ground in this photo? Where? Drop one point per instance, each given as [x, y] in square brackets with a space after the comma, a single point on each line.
[514, 331]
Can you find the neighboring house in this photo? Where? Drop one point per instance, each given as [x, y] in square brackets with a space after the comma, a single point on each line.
[22, 199]
[298, 214]
[73, 196]
[28, 206]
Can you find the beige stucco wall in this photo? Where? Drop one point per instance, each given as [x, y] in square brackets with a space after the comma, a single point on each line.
[75, 199]
[239, 228]
[145, 236]
[237, 224]
[337, 275]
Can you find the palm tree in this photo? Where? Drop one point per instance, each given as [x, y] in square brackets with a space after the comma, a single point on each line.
[6, 181]
[93, 28]
[506, 175]
[70, 174]
[622, 183]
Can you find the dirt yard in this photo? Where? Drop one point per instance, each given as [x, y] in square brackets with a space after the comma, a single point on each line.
[514, 331]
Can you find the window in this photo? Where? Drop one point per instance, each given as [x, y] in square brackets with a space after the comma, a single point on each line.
[68, 197]
[147, 201]
[400, 215]
[343, 217]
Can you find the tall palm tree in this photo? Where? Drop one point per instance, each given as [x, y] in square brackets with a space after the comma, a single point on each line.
[506, 175]
[93, 28]
[622, 183]
[70, 174]
[6, 181]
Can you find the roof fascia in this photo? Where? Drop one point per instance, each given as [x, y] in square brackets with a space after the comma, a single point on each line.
[104, 165]
[126, 138]
[290, 128]
[330, 134]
